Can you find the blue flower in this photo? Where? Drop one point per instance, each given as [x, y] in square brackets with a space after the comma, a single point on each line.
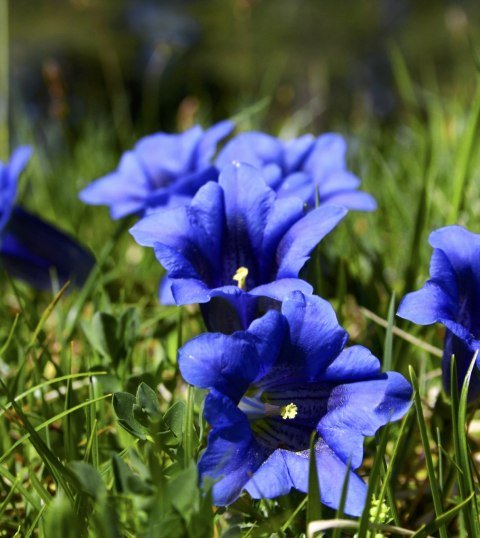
[301, 167]
[272, 386]
[29, 247]
[162, 170]
[234, 244]
[451, 297]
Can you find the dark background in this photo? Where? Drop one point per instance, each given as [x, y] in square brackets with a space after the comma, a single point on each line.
[150, 65]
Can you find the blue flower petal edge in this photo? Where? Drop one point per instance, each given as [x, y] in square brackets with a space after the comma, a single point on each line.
[274, 384]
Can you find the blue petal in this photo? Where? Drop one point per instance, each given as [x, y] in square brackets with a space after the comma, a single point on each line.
[270, 331]
[327, 156]
[206, 215]
[18, 160]
[316, 338]
[283, 215]
[353, 364]
[427, 305]
[284, 470]
[464, 352]
[297, 244]
[190, 291]
[300, 185]
[256, 149]
[166, 156]
[358, 409]
[177, 265]
[187, 240]
[124, 190]
[228, 309]
[232, 454]
[226, 363]
[339, 181]
[279, 289]
[165, 294]
[273, 175]
[208, 145]
[182, 190]
[169, 227]
[248, 203]
[461, 247]
[296, 151]
[31, 248]
[354, 200]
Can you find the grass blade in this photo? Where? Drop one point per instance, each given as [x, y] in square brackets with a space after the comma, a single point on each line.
[463, 160]
[314, 502]
[437, 502]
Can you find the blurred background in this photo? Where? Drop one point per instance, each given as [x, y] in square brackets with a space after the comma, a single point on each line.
[398, 78]
[146, 65]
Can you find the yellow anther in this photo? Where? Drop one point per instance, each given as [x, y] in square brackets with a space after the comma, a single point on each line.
[241, 277]
[289, 411]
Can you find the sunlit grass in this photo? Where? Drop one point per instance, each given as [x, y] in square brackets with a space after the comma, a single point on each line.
[76, 462]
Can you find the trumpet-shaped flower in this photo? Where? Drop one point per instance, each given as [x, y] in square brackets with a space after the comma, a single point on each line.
[451, 297]
[305, 167]
[30, 248]
[162, 170]
[235, 244]
[273, 385]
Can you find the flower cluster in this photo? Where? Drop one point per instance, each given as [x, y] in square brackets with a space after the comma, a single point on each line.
[233, 235]
[29, 247]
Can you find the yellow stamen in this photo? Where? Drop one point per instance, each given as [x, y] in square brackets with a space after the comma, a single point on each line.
[289, 411]
[241, 277]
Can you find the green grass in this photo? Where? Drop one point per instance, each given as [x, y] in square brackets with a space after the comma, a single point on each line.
[77, 461]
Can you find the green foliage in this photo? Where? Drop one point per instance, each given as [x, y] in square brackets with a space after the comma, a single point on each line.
[99, 434]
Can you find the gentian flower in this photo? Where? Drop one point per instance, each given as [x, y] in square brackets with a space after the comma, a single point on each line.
[162, 170]
[306, 167]
[29, 247]
[451, 297]
[273, 385]
[235, 244]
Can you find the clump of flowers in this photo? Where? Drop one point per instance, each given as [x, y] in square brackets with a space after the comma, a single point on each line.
[234, 237]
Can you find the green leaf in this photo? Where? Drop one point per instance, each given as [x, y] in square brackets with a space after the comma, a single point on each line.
[183, 491]
[175, 417]
[123, 405]
[147, 399]
[62, 521]
[89, 479]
